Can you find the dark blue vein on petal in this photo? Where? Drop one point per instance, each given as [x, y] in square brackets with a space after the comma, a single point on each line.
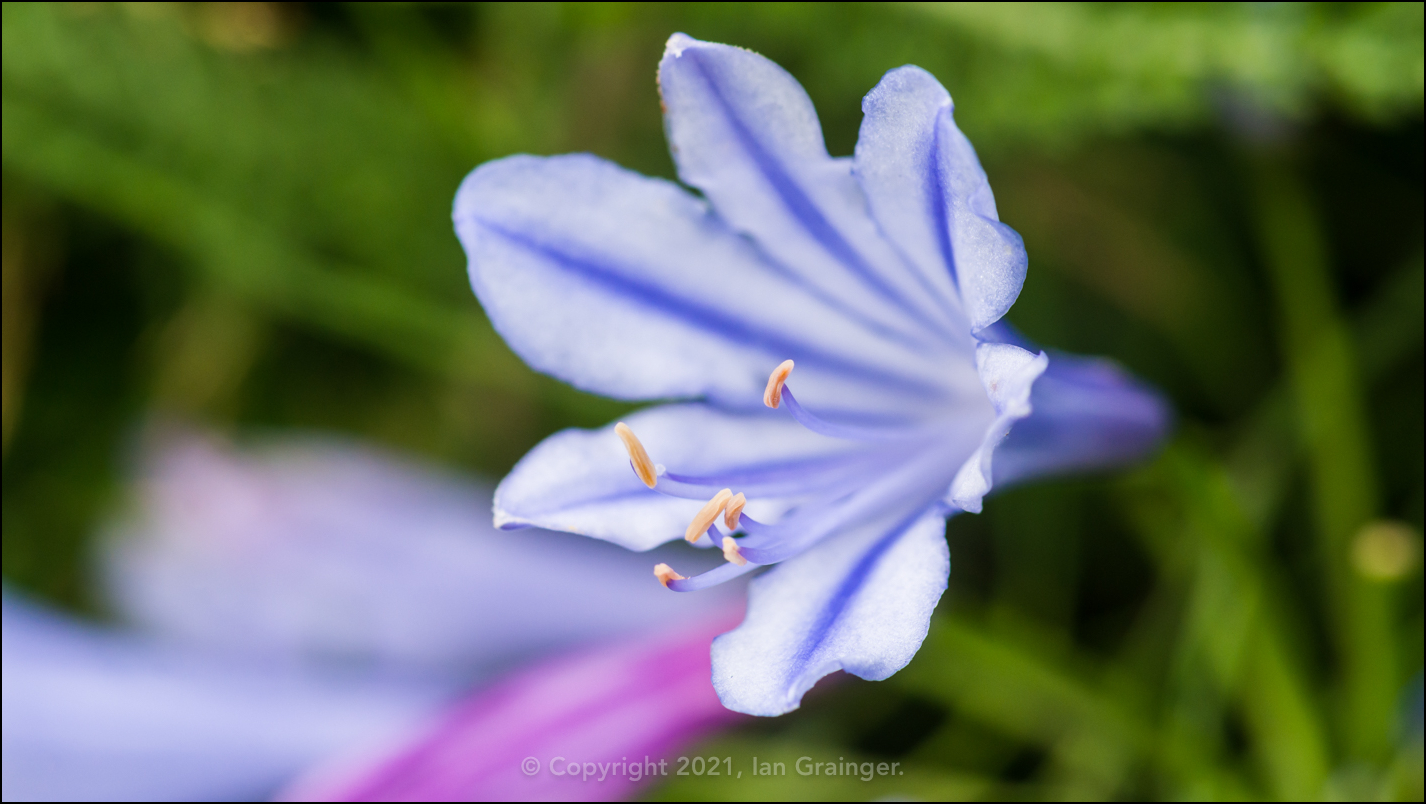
[919, 341]
[613, 496]
[833, 610]
[938, 202]
[802, 207]
[943, 303]
[761, 473]
[757, 478]
[708, 318]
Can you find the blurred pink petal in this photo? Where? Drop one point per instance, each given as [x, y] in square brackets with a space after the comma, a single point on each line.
[589, 726]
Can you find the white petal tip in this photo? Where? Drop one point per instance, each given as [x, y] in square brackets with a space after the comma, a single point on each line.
[678, 43]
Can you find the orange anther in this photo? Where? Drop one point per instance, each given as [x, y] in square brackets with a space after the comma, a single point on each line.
[707, 514]
[772, 397]
[643, 467]
[730, 551]
[665, 574]
[735, 507]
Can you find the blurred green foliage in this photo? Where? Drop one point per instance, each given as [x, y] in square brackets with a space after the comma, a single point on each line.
[239, 214]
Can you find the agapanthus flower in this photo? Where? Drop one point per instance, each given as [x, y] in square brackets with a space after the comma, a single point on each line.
[881, 278]
[314, 600]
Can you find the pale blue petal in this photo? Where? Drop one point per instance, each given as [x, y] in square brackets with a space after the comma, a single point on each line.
[1088, 414]
[928, 192]
[323, 551]
[580, 480]
[627, 286]
[896, 164]
[1008, 374]
[91, 715]
[745, 133]
[861, 602]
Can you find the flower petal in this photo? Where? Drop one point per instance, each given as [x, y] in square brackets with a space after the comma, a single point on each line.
[592, 727]
[1008, 373]
[745, 133]
[580, 480]
[319, 550]
[860, 602]
[1076, 414]
[94, 715]
[1088, 414]
[928, 192]
[896, 164]
[627, 286]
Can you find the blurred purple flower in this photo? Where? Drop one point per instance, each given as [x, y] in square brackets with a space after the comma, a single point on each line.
[330, 551]
[93, 714]
[883, 276]
[594, 727]
[300, 602]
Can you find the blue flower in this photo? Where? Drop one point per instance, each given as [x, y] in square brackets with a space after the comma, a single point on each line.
[881, 278]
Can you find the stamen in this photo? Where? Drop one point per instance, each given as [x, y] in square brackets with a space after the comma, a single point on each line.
[772, 479]
[756, 528]
[715, 576]
[772, 397]
[770, 544]
[821, 426]
[665, 574]
[721, 574]
[730, 551]
[734, 509]
[709, 543]
[638, 457]
[707, 514]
